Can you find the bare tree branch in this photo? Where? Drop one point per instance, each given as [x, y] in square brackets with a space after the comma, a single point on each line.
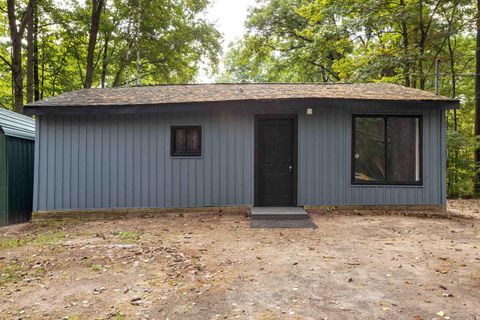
[6, 61]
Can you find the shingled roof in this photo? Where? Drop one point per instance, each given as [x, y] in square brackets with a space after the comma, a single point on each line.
[194, 93]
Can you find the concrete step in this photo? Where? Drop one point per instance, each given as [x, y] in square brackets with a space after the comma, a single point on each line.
[274, 224]
[278, 213]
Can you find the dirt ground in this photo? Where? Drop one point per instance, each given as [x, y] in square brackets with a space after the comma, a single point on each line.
[216, 267]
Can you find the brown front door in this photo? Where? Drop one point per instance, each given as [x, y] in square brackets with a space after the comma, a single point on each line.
[275, 161]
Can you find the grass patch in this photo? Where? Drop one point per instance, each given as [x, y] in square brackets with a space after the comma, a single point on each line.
[11, 273]
[91, 265]
[128, 236]
[119, 315]
[94, 267]
[10, 243]
[156, 281]
[329, 209]
[50, 223]
[38, 240]
[15, 271]
[48, 238]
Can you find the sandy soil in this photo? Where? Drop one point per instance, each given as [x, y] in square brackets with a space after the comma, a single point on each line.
[351, 267]
[461, 207]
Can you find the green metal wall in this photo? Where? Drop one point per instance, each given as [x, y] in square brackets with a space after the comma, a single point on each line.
[16, 179]
[3, 181]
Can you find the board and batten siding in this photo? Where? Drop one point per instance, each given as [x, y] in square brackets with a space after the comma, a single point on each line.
[325, 153]
[123, 160]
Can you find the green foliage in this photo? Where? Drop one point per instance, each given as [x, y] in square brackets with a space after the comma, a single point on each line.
[128, 236]
[42, 239]
[460, 165]
[48, 238]
[350, 41]
[290, 40]
[9, 243]
[94, 267]
[11, 273]
[172, 39]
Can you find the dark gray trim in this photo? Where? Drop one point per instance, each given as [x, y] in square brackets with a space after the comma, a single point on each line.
[305, 102]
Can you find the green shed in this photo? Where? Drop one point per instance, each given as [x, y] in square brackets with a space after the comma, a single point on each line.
[17, 140]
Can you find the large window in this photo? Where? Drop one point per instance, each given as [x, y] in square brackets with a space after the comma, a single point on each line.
[186, 141]
[386, 149]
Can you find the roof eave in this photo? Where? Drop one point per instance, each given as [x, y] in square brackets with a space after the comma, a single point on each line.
[453, 104]
[45, 109]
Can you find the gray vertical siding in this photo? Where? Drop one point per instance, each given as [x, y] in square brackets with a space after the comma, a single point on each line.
[113, 161]
[325, 161]
[123, 160]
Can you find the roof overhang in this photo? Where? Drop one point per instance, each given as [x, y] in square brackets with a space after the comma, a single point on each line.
[16, 125]
[18, 133]
[168, 107]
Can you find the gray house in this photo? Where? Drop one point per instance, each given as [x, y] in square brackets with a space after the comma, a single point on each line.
[240, 144]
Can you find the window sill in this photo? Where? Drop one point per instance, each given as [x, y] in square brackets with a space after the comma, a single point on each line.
[186, 157]
[387, 185]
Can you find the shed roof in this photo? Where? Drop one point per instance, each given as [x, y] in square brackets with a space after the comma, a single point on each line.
[17, 125]
[197, 93]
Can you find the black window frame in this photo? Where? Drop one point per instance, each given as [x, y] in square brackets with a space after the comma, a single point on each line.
[173, 142]
[385, 182]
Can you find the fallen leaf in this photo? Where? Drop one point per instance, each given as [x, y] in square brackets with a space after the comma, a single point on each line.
[441, 314]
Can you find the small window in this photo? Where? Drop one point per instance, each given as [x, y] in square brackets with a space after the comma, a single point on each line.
[186, 141]
[386, 150]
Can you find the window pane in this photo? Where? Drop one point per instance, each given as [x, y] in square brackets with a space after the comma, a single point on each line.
[193, 140]
[186, 141]
[179, 140]
[403, 149]
[369, 153]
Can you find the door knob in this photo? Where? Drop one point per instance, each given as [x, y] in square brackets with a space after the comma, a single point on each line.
[290, 168]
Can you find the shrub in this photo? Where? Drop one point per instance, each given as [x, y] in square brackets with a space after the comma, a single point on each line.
[460, 165]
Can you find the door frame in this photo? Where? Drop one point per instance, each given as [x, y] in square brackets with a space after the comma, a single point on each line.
[258, 118]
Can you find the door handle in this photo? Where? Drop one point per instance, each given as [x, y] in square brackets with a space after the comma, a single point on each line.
[290, 168]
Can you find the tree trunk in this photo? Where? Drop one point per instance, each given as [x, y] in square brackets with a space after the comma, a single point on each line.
[477, 102]
[421, 45]
[16, 35]
[97, 6]
[127, 58]
[451, 53]
[405, 43]
[30, 53]
[36, 81]
[139, 65]
[104, 61]
[42, 81]
[118, 74]
[17, 75]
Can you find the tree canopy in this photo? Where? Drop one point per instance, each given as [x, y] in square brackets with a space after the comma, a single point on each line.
[347, 40]
[166, 38]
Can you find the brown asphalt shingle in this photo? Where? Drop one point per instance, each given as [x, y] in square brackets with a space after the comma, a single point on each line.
[168, 94]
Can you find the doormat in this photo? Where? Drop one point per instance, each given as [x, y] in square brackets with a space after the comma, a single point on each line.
[272, 224]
